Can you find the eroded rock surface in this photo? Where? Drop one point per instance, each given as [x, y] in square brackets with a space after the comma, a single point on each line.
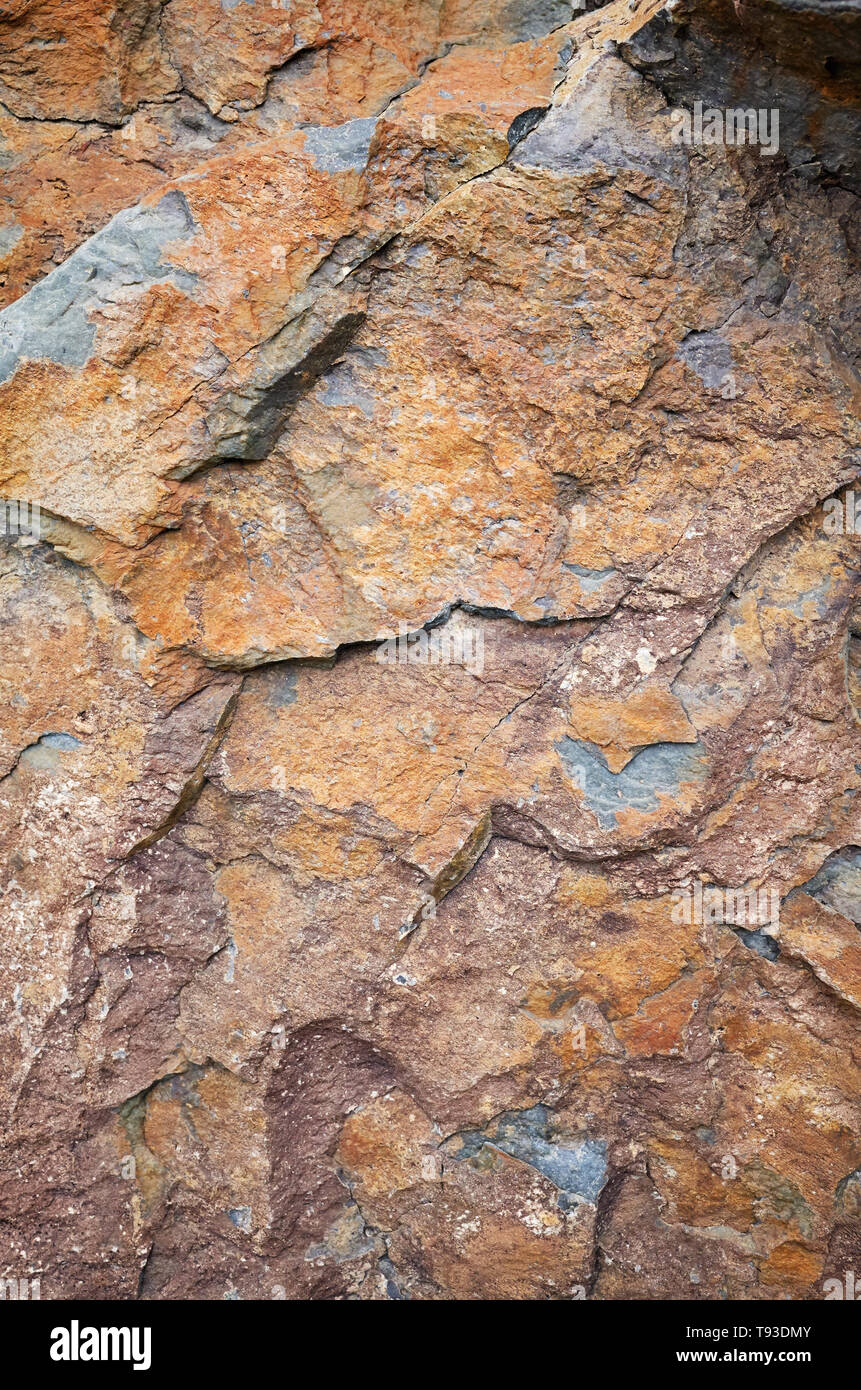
[430, 755]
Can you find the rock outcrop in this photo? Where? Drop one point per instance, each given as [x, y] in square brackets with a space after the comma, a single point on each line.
[430, 765]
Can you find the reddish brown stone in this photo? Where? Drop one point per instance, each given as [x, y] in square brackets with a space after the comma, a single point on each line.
[430, 755]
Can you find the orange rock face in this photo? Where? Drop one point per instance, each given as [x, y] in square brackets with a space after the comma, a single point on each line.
[430, 765]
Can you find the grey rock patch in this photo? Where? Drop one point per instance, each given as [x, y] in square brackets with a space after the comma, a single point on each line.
[52, 321]
[341, 390]
[660, 768]
[692, 62]
[240, 1216]
[758, 941]
[613, 119]
[838, 884]
[522, 124]
[391, 1276]
[578, 1167]
[340, 147]
[10, 234]
[707, 354]
[818, 596]
[46, 754]
[590, 580]
[64, 741]
[532, 19]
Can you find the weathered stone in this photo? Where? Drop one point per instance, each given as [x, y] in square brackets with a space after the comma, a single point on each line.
[430, 754]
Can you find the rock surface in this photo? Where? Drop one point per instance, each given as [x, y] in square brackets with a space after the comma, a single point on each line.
[430, 765]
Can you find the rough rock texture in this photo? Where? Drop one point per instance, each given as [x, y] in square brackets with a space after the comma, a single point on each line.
[430, 766]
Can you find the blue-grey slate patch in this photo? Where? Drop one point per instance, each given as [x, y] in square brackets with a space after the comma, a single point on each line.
[817, 596]
[590, 580]
[10, 234]
[53, 320]
[838, 883]
[605, 123]
[339, 147]
[757, 941]
[578, 1167]
[659, 769]
[241, 1217]
[45, 754]
[342, 388]
[64, 741]
[393, 1288]
[532, 19]
[707, 354]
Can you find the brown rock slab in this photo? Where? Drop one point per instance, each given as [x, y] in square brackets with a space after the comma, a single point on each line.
[429, 748]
